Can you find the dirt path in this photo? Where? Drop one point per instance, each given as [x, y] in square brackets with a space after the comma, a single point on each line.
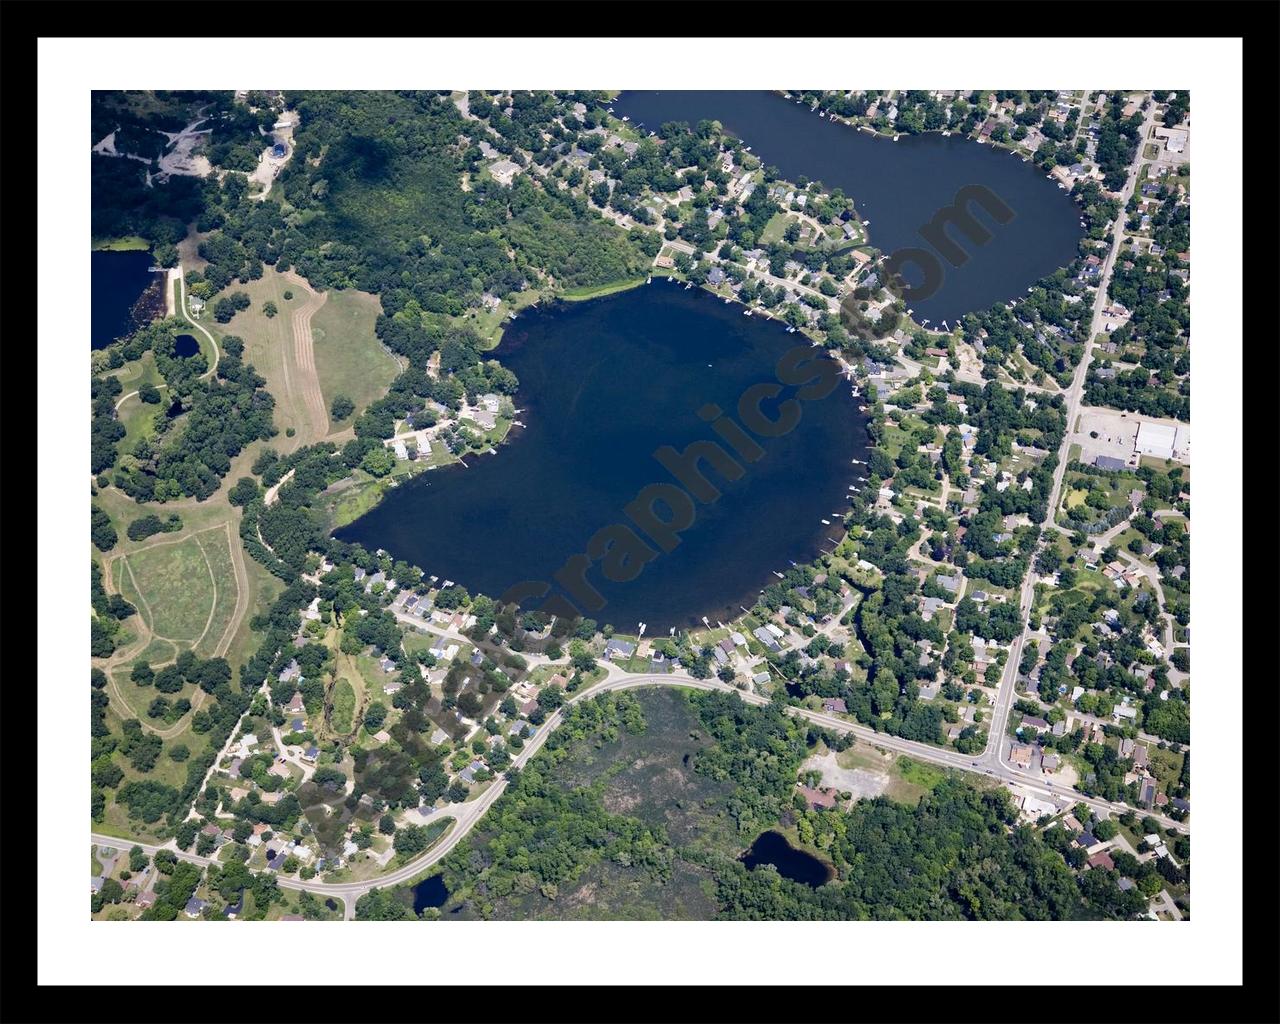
[308, 383]
[242, 594]
[176, 280]
[147, 634]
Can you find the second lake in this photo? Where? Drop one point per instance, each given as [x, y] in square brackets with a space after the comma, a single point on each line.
[899, 187]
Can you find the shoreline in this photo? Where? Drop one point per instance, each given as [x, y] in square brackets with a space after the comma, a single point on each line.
[728, 609]
[126, 243]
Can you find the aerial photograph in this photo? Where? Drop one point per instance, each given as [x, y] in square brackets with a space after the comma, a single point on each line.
[746, 505]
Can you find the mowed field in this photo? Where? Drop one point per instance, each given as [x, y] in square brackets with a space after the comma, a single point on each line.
[348, 356]
[319, 344]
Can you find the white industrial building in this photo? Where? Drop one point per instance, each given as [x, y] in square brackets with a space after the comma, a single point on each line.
[1164, 441]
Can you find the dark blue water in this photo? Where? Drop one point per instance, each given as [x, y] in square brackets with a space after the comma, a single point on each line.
[117, 280]
[604, 384]
[186, 345]
[430, 892]
[899, 187]
[799, 866]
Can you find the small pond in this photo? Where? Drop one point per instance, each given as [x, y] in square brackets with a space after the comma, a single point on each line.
[430, 892]
[799, 866]
[186, 345]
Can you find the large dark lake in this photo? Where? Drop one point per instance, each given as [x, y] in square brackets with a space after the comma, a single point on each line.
[603, 385]
[898, 187]
[117, 281]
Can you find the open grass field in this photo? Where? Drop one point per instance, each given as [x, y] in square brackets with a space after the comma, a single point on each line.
[349, 359]
[342, 717]
[183, 588]
[272, 345]
[596, 291]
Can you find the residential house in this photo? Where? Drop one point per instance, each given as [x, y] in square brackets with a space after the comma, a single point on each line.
[616, 648]
[234, 910]
[818, 798]
[834, 706]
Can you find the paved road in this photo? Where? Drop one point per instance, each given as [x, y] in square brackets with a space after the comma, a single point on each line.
[994, 754]
[468, 814]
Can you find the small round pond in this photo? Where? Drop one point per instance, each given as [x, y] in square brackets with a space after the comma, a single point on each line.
[430, 892]
[186, 345]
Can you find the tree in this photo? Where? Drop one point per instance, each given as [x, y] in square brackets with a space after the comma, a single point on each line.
[149, 394]
[374, 716]
[269, 309]
[341, 407]
[378, 461]
[410, 840]
[101, 532]
[244, 491]
[387, 825]
[1105, 829]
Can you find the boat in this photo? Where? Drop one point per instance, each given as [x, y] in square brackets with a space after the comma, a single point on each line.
[649, 280]
[826, 522]
[778, 574]
[746, 312]
[688, 286]
[791, 330]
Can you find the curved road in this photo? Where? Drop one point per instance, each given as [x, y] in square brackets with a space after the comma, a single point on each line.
[187, 316]
[467, 815]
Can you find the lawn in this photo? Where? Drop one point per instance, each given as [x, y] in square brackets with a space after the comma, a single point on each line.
[349, 358]
[128, 243]
[596, 291]
[342, 715]
[269, 347]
